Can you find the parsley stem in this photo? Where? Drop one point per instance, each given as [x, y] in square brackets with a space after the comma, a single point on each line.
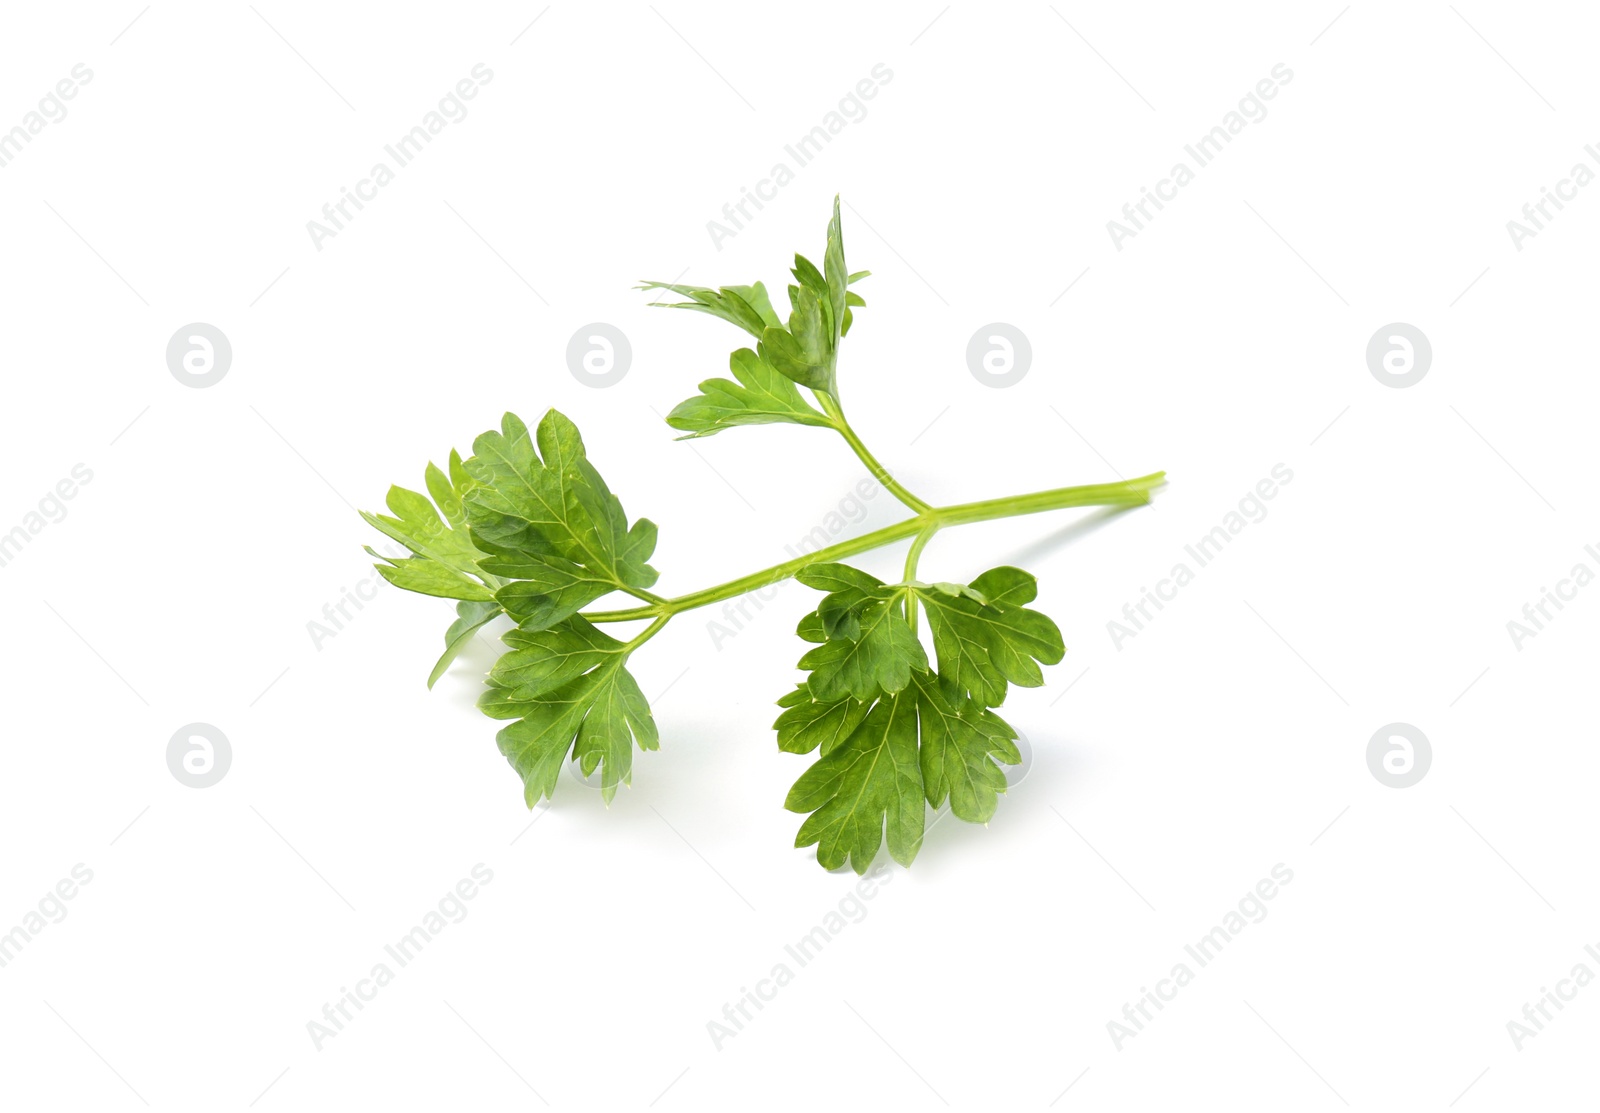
[648, 633]
[918, 543]
[830, 406]
[767, 576]
[1129, 492]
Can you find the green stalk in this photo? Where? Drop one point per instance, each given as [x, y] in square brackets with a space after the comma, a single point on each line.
[767, 576]
[647, 633]
[1126, 492]
[1130, 492]
[919, 543]
[830, 406]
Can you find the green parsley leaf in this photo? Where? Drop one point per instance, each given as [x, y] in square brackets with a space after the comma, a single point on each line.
[429, 577]
[883, 762]
[808, 723]
[805, 349]
[837, 274]
[570, 694]
[833, 577]
[761, 396]
[984, 637]
[540, 661]
[802, 351]
[447, 564]
[871, 781]
[531, 505]
[416, 523]
[849, 592]
[808, 351]
[961, 740]
[881, 658]
[867, 646]
[543, 592]
[811, 629]
[470, 618]
[872, 704]
[746, 306]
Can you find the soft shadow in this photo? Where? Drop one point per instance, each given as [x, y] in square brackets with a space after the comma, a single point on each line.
[463, 682]
[951, 844]
[1067, 534]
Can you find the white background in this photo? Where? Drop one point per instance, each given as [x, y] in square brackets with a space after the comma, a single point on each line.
[1225, 338]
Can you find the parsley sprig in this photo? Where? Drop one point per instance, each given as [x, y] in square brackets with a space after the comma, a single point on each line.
[526, 527]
